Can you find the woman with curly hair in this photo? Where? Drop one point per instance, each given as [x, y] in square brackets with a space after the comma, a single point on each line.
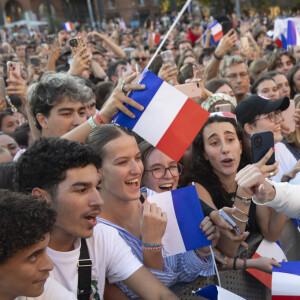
[221, 149]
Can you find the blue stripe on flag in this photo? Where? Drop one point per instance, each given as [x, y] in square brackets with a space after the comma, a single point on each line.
[143, 97]
[209, 292]
[189, 215]
[291, 33]
[290, 267]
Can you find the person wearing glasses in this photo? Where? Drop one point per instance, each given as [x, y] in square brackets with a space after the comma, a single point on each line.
[141, 58]
[234, 69]
[258, 114]
[121, 175]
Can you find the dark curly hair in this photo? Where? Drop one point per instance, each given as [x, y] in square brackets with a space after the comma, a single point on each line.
[24, 221]
[45, 162]
[201, 168]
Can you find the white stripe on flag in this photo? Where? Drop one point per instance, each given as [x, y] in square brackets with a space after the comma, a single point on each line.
[285, 284]
[270, 249]
[227, 295]
[154, 122]
[172, 239]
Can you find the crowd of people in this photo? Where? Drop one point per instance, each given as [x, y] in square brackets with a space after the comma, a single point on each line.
[74, 186]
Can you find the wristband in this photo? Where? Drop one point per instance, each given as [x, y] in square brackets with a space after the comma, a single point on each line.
[245, 263]
[217, 57]
[240, 210]
[151, 248]
[91, 122]
[246, 201]
[234, 263]
[99, 119]
[150, 245]
[242, 221]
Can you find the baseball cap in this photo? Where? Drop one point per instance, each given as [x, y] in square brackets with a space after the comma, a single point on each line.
[254, 105]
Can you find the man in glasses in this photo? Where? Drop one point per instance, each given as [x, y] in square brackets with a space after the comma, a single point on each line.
[141, 58]
[257, 114]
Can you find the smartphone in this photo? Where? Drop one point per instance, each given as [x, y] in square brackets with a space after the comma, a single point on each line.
[190, 89]
[77, 44]
[245, 43]
[34, 60]
[261, 143]
[288, 116]
[13, 69]
[2, 88]
[50, 38]
[226, 26]
[167, 57]
[236, 228]
[223, 107]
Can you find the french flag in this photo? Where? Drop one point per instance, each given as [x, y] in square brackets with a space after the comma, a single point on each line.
[270, 250]
[170, 120]
[286, 281]
[155, 36]
[184, 215]
[293, 37]
[68, 26]
[216, 31]
[214, 292]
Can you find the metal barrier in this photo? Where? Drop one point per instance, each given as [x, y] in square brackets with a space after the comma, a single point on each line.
[241, 282]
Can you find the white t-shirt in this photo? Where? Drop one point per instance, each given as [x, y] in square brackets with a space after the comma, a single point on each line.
[53, 291]
[112, 259]
[285, 159]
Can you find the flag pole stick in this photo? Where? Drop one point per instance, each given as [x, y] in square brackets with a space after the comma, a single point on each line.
[187, 3]
[216, 268]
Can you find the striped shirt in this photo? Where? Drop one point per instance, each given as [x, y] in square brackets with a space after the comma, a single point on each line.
[183, 267]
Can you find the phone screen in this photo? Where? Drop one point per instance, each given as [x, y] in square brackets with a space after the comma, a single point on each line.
[261, 143]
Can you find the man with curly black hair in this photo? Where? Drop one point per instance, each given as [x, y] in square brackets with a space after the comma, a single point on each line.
[25, 226]
[65, 173]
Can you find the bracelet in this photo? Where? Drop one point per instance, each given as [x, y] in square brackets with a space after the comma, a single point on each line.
[234, 263]
[91, 122]
[149, 245]
[99, 118]
[217, 57]
[246, 201]
[151, 248]
[245, 263]
[243, 221]
[240, 210]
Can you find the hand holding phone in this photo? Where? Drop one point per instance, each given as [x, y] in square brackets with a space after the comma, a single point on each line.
[13, 70]
[236, 229]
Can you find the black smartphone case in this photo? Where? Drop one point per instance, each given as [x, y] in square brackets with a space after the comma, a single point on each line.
[259, 151]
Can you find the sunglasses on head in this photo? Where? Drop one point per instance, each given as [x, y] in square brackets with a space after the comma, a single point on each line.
[140, 58]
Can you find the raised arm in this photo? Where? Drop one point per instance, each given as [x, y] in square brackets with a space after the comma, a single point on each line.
[226, 43]
[110, 43]
[111, 107]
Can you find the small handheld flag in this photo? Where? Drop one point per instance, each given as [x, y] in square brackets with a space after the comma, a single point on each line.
[68, 26]
[170, 120]
[214, 292]
[216, 31]
[184, 215]
[270, 250]
[286, 281]
[155, 36]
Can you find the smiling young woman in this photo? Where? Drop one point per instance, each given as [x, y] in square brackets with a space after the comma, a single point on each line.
[121, 175]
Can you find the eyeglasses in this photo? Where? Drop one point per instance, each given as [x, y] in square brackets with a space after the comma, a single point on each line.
[274, 116]
[159, 172]
[234, 75]
[140, 58]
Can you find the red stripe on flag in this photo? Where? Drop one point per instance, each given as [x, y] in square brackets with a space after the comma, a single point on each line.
[218, 36]
[183, 130]
[156, 38]
[263, 277]
[283, 297]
